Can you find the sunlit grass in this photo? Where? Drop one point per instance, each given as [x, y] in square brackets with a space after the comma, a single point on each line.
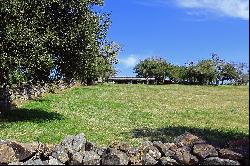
[132, 113]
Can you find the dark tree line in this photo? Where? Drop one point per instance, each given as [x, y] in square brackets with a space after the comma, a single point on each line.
[47, 40]
[212, 71]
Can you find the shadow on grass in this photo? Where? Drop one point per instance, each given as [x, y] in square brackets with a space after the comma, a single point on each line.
[33, 115]
[168, 134]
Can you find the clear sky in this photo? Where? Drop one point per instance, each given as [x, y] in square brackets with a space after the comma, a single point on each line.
[178, 30]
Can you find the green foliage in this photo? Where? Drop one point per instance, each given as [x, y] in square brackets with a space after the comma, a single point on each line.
[205, 72]
[228, 72]
[102, 68]
[60, 37]
[242, 77]
[176, 73]
[152, 68]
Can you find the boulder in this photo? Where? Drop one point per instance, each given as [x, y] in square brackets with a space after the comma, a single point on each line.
[60, 153]
[15, 163]
[229, 154]
[148, 148]
[7, 154]
[134, 156]
[75, 143]
[164, 150]
[188, 139]
[35, 162]
[24, 151]
[122, 146]
[114, 157]
[91, 158]
[219, 161]
[171, 146]
[204, 151]
[101, 151]
[153, 152]
[167, 161]
[53, 161]
[184, 156]
[148, 160]
[76, 158]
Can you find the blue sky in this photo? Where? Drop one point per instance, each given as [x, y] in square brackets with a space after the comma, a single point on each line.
[178, 30]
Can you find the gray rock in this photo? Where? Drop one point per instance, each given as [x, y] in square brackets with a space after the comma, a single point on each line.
[229, 154]
[91, 158]
[184, 156]
[148, 160]
[114, 157]
[14, 151]
[171, 146]
[16, 163]
[164, 150]
[101, 150]
[204, 151]
[7, 154]
[79, 142]
[148, 148]
[153, 152]
[122, 146]
[219, 161]
[75, 143]
[167, 161]
[76, 158]
[53, 161]
[35, 162]
[188, 139]
[67, 141]
[60, 153]
[134, 156]
[147, 143]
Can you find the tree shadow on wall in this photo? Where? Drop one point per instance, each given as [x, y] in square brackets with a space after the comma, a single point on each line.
[168, 134]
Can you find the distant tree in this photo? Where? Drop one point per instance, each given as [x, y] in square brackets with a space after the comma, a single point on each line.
[191, 73]
[176, 73]
[152, 68]
[219, 63]
[228, 73]
[103, 67]
[206, 71]
[242, 76]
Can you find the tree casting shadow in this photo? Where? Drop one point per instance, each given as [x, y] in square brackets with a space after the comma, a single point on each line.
[168, 134]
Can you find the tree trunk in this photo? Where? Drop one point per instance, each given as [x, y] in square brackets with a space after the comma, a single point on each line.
[5, 103]
[222, 81]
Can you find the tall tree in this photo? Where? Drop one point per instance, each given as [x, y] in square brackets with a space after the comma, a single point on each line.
[152, 67]
[206, 71]
[40, 37]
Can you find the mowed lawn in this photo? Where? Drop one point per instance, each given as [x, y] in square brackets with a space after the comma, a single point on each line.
[132, 113]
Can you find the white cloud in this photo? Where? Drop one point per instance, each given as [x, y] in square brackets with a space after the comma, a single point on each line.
[129, 62]
[232, 8]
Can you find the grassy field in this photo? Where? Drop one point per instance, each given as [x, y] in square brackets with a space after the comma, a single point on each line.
[132, 113]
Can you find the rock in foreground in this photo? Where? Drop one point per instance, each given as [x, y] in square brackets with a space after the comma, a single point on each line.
[76, 150]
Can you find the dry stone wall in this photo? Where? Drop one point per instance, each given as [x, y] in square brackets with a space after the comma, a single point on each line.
[28, 91]
[187, 149]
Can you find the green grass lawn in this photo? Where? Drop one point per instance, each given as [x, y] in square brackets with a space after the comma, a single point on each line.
[132, 113]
